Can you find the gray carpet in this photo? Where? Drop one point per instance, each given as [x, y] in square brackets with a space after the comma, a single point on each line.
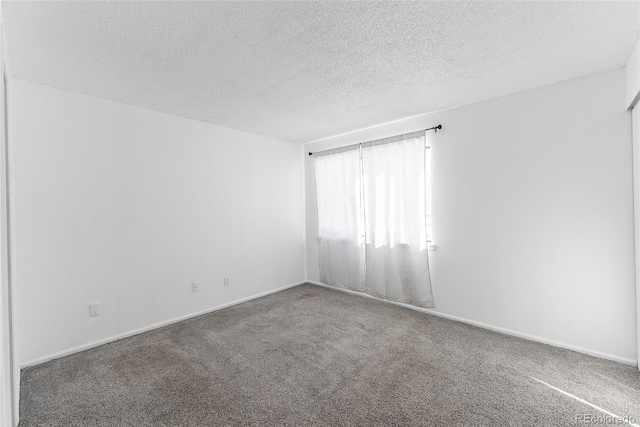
[314, 356]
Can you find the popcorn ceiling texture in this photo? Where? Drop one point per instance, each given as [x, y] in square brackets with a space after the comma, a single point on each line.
[301, 71]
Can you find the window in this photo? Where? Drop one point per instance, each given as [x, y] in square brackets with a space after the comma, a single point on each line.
[379, 190]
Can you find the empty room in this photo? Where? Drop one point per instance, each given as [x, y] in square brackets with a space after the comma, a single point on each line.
[319, 213]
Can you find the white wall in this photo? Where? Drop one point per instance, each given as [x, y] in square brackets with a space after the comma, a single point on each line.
[632, 70]
[127, 206]
[532, 213]
[9, 371]
[6, 348]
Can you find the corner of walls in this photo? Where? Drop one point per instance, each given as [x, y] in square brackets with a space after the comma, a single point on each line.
[304, 210]
[311, 225]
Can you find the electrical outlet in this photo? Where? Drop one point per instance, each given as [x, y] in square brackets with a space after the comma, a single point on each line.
[94, 309]
[194, 287]
[226, 281]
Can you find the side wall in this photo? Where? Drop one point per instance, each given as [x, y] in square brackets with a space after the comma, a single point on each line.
[9, 372]
[127, 207]
[631, 99]
[532, 213]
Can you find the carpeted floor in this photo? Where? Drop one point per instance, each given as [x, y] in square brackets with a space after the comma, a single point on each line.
[314, 356]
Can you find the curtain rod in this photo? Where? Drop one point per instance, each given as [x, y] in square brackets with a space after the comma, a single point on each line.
[435, 129]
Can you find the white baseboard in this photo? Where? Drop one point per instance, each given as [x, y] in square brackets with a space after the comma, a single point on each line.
[117, 337]
[505, 331]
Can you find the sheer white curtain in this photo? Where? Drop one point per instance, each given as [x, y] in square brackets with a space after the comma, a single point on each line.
[340, 221]
[395, 210]
[372, 219]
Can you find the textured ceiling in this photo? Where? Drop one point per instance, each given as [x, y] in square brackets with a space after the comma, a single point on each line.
[300, 71]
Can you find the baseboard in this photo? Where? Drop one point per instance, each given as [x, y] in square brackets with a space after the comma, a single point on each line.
[505, 331]
[117, 337]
